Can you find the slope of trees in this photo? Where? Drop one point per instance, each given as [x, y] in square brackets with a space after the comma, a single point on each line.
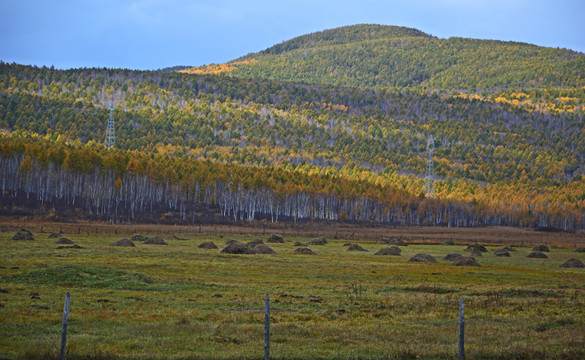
[118, 185]
[487, 139]
[388, 56]
[292, 150]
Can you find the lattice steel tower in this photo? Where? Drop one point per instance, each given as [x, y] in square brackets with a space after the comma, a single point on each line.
[111, 131]
[430, 178]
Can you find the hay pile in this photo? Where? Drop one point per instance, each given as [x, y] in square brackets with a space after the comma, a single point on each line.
[448, 242]
[175, 237]
[74, 246]
[207, 245]
[477, 247]
[356, 247]
[275, 239]
[231, 241]
[541, 248]
[392, 241]
[23, 234]
[54, 236]
[390, 250]
[157, 240]
[317, 241]
[138, 237]
[507, 248]
[537, 255]
[501, 253]
[465, 261]
[452, 256]
[264, 249]
[580, 250]
[298, 243]
[237, 247]
[125, 242]
[573, 263]
[426, 258]
[64, 240]
[303, 251]
[347, 244]
[475, 252]
[254, 242]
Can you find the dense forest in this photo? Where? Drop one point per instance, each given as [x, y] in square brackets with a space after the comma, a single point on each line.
[388, 56]
[250, 148]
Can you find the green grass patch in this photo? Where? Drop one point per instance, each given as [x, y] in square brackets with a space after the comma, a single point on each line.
[181, 302]
[71, 275]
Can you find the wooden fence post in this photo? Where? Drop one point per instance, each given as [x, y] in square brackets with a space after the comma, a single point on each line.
[267, 328]
[461, 330]
[64, 329]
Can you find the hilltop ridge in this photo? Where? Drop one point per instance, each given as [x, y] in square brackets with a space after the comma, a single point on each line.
[342, 35]
[379, 56]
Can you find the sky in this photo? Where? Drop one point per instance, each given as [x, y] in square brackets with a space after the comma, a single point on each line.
[153, 34]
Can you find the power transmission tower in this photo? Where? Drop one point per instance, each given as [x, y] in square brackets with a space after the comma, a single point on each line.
[111, 131]
[430, 177]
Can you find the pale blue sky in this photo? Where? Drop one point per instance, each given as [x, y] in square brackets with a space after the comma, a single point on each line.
[152, 34]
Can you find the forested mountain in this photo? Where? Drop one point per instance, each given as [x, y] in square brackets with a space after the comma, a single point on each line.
[189, 145]
[388, 56]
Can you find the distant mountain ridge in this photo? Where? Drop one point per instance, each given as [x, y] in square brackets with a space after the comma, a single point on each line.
[390, 56]
[343, 35]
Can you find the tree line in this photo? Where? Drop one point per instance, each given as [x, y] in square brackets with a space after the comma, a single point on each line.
[119, 185]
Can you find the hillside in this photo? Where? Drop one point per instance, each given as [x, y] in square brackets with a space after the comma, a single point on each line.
[388, 56]
[296, 151]
[203, 146]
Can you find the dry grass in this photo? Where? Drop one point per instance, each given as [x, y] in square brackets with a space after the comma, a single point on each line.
[178, 301]
[414, 235]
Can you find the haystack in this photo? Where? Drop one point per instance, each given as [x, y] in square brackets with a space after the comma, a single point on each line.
[64, 240]
[537, 255]
[541, 248]
[303, 251]
[207, 245]
[507, 248]
[396, 248]
[476, 246]
[573, 263]
[347, 244]
[501, 253]
[231, 241]
[157, 240]
[580, 250]
[275, 239]
[426, 258]
[125, 242]
[356, 247]
[448, 242]
[390, 250]
[23, 234]
[139, 237]
[475, 252]
[254, 242]
[465, 261]
[298, 243]
[317, 241]
[392, 241]
[263, 249]
[74, 246]
[237, 248]
[452, 256]
[54, 236]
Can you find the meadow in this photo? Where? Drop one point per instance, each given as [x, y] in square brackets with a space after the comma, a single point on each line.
[177, 301]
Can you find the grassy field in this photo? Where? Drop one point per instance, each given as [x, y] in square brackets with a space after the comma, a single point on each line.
[181, 302]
